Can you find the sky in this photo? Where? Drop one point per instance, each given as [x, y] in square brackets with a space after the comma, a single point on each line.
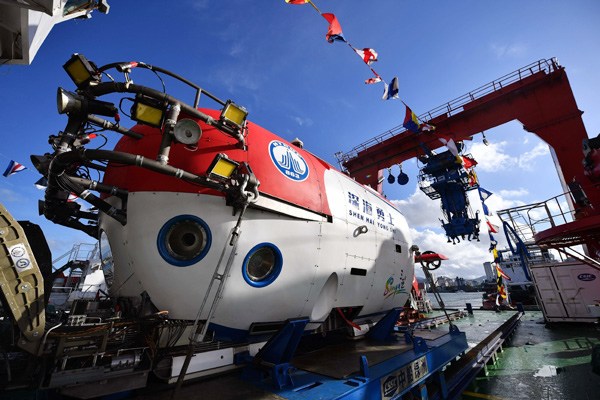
[272, 58]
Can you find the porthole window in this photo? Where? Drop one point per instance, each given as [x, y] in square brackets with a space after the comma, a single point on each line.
[262, 265]
[184, 240]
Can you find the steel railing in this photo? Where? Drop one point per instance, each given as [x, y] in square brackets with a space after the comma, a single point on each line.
[455, 106]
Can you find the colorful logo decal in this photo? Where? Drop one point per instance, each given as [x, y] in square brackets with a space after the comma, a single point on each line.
[586, 277]
[288, 161]
[391, 289]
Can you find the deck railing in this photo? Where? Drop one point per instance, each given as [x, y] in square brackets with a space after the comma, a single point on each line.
[455, 106]
[530, 219]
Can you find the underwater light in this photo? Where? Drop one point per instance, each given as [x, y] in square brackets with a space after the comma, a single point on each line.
[147, 111]
[69, 102]
[80, 70]
[222, 167]
[233, 114]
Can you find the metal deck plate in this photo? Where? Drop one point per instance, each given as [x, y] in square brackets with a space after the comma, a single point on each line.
[342, 360]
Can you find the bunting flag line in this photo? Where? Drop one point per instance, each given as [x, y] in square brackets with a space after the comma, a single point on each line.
[335, 29]
[483, 194]
[449, 143]
[474, 181]
[426, 127]
[13, 168]
[334, 33]
[500, 287]
[501, 290]
[502, 273]
[468, 162]
[391, 91]
[41, 183]
[491, 227]
[486, 210]
[369, 56]
[371, 81]
[411, 122]
[493, 241]
[495, 254]
[303, 2]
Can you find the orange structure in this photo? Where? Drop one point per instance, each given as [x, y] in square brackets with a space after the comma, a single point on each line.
[540, 97]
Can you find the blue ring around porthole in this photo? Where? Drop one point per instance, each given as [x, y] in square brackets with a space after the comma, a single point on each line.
[274, 272]
[164, 251]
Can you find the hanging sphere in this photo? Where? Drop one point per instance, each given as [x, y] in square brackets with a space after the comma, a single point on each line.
[402, 178]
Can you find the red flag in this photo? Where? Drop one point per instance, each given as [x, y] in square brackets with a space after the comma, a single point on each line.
[502, 273]
[370, 81]
[468, 162]
[335, 29]
[473, 181]
[449, 143]
[297, 1]
[491, 227]
[426, 127]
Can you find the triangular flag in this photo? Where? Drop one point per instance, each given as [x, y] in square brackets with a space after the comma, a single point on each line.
[41, 183]
[13, 168]
[391, 90]
[449, 143]
[502, 273]
[491, 227]
[468, 162]
[484, 194]
[371, 81]
[486, 210]
[297, 1]
[426, 127]
[335, 29]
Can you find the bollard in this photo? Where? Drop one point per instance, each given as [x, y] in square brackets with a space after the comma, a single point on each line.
[469, 308]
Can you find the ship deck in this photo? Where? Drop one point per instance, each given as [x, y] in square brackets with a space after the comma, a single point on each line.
[538, 361]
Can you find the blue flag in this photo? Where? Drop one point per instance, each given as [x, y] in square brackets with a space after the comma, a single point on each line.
[391, 90]
[483, 194]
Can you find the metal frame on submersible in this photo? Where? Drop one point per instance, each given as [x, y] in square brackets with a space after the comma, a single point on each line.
[60, 168]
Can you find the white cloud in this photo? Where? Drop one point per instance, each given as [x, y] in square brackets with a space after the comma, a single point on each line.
[9, 195]
[493, 157]
[234, 78]
[302, 121]
[236, 49]
[513, 193]
[526, 159]
[199, 5]
[508, 50]
[420, 211]
[467, 257]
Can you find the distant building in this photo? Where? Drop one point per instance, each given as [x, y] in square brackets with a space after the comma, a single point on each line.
[490, 274]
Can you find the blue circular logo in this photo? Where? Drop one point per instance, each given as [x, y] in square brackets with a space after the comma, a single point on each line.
[288, 161]
[586, 277]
